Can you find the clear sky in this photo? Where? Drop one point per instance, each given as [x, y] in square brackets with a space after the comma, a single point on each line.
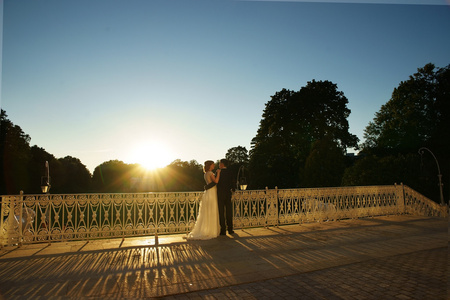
[101, 79]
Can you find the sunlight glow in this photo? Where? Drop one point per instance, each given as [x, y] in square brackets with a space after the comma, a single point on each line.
[151, 155]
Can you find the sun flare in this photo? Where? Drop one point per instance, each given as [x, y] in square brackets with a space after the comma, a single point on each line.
[151, 155]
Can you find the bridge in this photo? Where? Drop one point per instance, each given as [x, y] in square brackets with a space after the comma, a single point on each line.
[335, 250]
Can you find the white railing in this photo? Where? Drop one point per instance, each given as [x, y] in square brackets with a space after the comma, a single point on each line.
[321, 204]
[49, 218]
[418, 204]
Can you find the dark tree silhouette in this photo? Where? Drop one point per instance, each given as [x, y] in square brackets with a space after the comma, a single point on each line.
[71, 176]
[14, 157]
[182, 176]
[36, 169]
[112, 177]
[325, 165]
[291, 123]
[237, 155]
[417, 115]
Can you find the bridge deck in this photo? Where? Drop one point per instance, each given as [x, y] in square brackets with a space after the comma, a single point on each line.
[390, 257]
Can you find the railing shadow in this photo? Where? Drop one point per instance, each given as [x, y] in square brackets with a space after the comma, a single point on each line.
[148, 270]
[140, 271]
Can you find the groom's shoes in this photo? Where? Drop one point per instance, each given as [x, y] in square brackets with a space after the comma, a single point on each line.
[230, 232]
[223, 233]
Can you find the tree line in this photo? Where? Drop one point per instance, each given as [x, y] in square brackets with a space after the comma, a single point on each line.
[303, 137]
[302, 141]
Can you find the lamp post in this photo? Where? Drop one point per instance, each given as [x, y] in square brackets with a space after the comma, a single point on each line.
[241, 182]
[421, 151]
[45, 180]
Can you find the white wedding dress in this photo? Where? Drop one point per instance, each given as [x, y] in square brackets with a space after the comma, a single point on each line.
[207, 225]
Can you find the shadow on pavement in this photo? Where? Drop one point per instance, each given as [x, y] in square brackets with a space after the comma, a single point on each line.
[134, 269]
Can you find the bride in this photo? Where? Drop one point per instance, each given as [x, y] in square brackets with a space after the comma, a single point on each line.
[207, 225]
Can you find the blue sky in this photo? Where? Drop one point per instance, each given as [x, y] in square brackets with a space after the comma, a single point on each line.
[104, 79]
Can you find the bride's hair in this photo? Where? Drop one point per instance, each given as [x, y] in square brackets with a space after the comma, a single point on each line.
[207, 165]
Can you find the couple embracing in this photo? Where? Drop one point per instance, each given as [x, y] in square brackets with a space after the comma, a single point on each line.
[215, 213]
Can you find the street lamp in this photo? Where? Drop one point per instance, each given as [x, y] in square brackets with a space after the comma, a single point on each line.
[241, 182]
[45, 180]
[421, 151]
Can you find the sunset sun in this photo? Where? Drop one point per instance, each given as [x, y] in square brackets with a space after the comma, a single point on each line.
[151, 155]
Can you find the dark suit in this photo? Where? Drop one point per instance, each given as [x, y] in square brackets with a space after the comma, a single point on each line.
[224, 187]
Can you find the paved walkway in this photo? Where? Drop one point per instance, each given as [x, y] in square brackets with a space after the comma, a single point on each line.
[394, 257]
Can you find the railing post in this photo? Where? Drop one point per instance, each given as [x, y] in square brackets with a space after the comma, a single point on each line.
[271, 207]
[400, 198]
[11, 233]
[156, 234]
[19, 242]
[49, 219]
[157, 219]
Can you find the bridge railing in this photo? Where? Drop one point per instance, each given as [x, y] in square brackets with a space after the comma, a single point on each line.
[418, 204]
[50, 218]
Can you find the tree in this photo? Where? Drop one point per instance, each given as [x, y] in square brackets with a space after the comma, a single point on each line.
[414, 116]
[417, 115]
[390, 169]
[237, 155]
[23, 166]
[112, 177]
[440, 138]
[325, 165]
[71, 176]
[116, 176]
[365, 171]
[68, 174]
[291, 123]
[14, 157]
[36, 168]
[183, 176]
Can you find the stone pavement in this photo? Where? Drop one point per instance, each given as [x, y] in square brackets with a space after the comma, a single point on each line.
[390, 257]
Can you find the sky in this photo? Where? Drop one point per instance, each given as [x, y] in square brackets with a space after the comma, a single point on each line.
[151, 81]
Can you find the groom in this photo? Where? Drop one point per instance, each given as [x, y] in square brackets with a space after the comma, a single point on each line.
[225, 188]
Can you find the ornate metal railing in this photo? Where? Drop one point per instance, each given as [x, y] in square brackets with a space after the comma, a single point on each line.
[49, 218]
[418, 204]
[320, 204]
